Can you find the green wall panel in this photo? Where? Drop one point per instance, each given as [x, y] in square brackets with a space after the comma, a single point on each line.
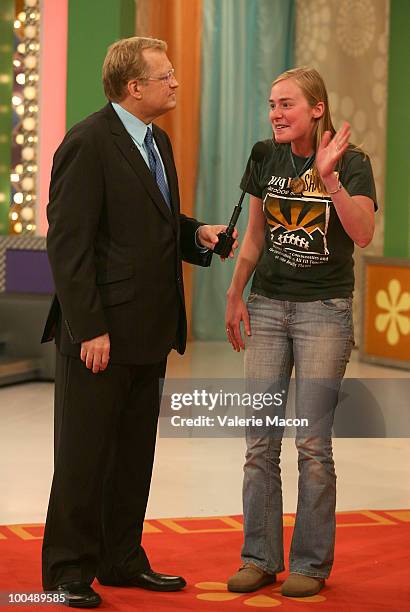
[6, 88]
[397, 208]
[92, 26]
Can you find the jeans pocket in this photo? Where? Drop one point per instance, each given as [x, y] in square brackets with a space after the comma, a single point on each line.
[251, 298]
[338, 304]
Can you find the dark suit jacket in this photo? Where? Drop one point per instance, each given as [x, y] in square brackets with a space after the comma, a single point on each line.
[115, 248]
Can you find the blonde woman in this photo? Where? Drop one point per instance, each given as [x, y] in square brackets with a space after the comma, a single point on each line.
[312, 198]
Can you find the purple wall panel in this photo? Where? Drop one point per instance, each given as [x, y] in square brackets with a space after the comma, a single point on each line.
[28, 271]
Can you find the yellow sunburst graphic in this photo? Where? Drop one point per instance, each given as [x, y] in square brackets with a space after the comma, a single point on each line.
[218, 593]
[301, 215]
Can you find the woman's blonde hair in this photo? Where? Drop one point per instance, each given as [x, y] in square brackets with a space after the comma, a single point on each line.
[314, 90]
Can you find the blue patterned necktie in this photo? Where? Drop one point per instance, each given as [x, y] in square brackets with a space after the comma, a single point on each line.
[156, 167]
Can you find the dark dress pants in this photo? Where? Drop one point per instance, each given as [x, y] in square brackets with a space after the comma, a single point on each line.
[105, 432]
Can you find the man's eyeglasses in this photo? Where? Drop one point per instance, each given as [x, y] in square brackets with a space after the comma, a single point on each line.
[166, 78]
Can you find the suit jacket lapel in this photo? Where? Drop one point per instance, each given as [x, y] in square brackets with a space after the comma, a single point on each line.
[128, 149]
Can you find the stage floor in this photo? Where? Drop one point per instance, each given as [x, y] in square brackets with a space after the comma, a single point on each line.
[194, 477]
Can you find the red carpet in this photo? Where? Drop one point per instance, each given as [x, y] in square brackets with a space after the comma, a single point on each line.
[371, 571]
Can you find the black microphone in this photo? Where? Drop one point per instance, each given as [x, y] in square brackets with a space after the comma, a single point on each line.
[224, 246]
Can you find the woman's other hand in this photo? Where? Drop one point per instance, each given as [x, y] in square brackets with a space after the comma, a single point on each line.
[236, 312]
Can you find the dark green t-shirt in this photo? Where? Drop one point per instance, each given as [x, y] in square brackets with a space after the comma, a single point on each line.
[307, 254]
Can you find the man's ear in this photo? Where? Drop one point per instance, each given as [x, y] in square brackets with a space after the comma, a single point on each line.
[318, 110]
[134, 89]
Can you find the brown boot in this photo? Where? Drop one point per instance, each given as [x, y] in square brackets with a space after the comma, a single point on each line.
[298, 585]
[249, 578]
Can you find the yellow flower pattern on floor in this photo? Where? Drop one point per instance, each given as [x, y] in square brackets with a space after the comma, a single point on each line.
[217, 592]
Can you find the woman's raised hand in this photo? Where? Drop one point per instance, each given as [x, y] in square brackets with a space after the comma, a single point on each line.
[331, 150]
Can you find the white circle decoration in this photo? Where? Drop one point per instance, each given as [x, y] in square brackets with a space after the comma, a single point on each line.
[381, 117]
[312, 32]
[30, 62]
[325, 14]
[382, 44]
[379, 93]
[333, 101]
[29, 123]
[325, 36]
[27, 153]
[380, 67]
[27, 183]
[347, 107]
[30, 31]
[27, 213]
[355, 26]
[370, 142]
[321, 52]
[360, 121]
[30, 92]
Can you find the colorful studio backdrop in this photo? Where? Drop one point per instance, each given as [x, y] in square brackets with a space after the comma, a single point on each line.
[226, 54]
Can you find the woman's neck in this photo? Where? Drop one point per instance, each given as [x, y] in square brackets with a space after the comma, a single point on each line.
[302, 148]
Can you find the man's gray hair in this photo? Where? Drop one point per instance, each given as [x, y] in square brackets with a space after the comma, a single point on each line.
[124, 61]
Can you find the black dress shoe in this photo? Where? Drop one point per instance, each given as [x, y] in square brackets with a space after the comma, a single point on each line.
[79, 595]
[153, 581]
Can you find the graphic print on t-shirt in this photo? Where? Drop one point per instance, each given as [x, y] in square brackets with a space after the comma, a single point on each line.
[298, 223]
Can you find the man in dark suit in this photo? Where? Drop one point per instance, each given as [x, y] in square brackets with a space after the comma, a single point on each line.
[115, 242]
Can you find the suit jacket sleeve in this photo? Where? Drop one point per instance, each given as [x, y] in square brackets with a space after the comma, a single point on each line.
[190, 252]
[76, 200]
[187, 225]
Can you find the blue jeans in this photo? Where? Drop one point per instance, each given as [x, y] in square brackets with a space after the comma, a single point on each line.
[316, 338]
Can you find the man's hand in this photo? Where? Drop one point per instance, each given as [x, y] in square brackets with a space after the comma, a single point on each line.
[208, 236]
[96, 353]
